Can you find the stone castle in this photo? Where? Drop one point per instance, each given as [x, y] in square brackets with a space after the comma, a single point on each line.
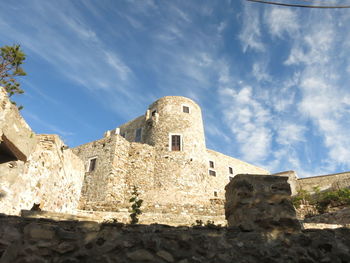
[163, 153]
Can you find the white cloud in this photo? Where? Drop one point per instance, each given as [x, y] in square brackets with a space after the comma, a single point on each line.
[260, 71]
[290, 133]
[249, 122]
[313, 47]
[250, 35]
[281, 20]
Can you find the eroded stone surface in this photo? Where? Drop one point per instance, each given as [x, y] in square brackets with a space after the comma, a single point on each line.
[159, 243]
[260, 202]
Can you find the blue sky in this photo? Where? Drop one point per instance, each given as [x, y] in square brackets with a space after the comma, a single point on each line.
[273, 82]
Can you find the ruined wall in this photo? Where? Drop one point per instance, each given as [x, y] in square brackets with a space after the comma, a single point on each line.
[17, 140]
[51, 177]
[324, 182]
[292, 180]
[33, 240]
[35, 168]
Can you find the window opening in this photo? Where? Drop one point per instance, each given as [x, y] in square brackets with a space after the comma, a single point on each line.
[212, 173]
[138, 135]
[186, 109]
[216, 193]
[154, 113]
[211, 164]
[92, 164]
[230, 170]
[175, 142]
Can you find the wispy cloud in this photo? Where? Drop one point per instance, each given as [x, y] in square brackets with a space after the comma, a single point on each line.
[250, 35]
[282, 21]
[249, 122]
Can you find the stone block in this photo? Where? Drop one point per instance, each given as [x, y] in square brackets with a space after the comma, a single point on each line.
[260, 202]
[17, 140]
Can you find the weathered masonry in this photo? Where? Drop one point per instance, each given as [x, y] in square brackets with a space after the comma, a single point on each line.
[164, 154]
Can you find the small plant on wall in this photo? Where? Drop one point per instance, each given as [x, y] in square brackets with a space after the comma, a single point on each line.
[135, 205]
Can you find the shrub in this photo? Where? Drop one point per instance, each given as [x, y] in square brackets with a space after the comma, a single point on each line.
[136, 205]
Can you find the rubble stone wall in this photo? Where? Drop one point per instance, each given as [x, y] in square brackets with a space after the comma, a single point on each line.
[15, 134]
[52, 177]
[324, 182]
[33, 240]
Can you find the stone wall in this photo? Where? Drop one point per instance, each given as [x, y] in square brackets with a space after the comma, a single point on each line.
[17, 140]
[35, 168]
[262, 203]
[325, 182]
[105, 184]
[222, 177]
[52, 177]
[39, 241]
[166, 179]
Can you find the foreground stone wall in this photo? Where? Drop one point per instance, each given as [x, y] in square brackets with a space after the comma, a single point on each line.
[39, 241]
[51, 177]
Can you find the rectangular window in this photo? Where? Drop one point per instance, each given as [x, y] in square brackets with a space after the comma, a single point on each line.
[216, 193]
[138, 135]
[175, 142]
[211, 164]
[230, 170]
[92, 164]
[212, 173]
[186, 109]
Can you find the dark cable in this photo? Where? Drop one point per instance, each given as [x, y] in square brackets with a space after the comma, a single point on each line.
[296, 5]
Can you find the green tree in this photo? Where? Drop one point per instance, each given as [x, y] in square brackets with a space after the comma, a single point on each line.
[11, 59]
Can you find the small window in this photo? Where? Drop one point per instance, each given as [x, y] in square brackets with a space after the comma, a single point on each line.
[230, 170]
[175, 142]
[212, 173]
[138, 135]
[154, 113]
[216, 193]
[211, 164]
[186, 109]
[92, 164]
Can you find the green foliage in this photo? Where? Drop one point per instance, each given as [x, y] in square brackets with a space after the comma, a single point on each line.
[321, 200]
[337, 197]
[302, 197]
[11, 59]
[135, 205]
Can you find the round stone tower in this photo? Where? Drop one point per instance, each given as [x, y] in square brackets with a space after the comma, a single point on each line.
[174, 124]
[174, 127]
